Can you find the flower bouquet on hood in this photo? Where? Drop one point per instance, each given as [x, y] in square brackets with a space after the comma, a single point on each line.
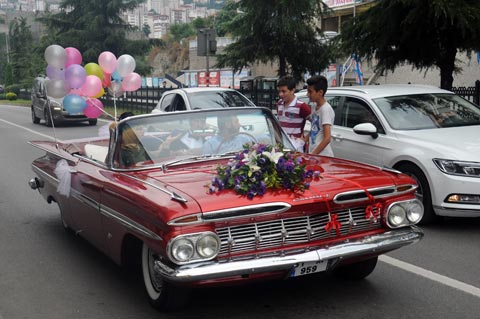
[259, 167]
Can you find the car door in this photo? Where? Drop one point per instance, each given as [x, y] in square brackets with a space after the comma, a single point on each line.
[87, 185]
[350, 145]
[39, 97]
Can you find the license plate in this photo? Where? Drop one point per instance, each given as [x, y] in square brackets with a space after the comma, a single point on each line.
[308, 268]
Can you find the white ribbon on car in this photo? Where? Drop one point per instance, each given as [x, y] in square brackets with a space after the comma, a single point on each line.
[63, 172]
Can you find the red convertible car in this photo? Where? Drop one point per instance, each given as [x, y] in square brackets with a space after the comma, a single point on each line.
[212, 197]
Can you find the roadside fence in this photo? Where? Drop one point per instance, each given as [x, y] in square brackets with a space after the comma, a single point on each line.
[145, 99]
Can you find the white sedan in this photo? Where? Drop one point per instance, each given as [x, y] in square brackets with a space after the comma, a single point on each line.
[428, 133]
[185, 99]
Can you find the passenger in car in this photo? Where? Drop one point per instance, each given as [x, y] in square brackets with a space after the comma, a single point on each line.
[229, 137]
[322, 118]
[131, 149]
[186, 142]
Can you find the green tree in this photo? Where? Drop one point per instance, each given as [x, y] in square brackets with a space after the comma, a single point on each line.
[181, 31]
[94, 26]
[21, 52]
[424, 33]
[283, 31]
[8, 75]
[224, 17]
[146, 30]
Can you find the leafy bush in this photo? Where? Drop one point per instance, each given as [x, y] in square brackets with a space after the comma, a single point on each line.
[15, 88]
[11, 96]
[2, 96]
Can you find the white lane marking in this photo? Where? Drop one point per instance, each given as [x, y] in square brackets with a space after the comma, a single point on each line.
[34, 132]
[27, 129]
[447, 281]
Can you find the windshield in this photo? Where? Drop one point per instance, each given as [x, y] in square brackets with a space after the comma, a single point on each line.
[217, 99]
[427, 111]
[147, 140]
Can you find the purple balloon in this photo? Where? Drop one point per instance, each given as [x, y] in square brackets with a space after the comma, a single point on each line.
[55, 73]
[75, 75]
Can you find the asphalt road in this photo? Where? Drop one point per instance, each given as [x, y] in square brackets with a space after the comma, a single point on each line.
[47, 273]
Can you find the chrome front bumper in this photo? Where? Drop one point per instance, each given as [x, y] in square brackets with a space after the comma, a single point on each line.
[375, 244]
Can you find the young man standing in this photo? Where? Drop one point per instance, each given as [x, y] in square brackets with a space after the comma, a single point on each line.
[291, 112]
[322, 117]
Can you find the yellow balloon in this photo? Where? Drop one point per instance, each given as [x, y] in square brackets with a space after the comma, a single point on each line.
[100, 94]
[94, 69]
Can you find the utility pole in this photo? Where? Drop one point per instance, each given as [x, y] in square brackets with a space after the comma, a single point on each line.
[206, 45]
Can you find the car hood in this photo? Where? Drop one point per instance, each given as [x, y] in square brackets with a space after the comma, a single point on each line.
[460, 143]
[192, 183]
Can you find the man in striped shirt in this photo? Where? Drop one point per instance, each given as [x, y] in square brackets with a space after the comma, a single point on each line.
[291, 112]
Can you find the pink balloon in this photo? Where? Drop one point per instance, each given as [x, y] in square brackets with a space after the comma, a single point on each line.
[107, 61]
[73, 56]
[92, 86]
[131, 82]
[75, 75]
[94, 108]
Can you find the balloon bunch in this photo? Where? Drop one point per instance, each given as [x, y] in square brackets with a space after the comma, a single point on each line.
[80, 87]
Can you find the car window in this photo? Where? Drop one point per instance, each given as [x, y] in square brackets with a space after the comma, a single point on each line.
[179, 103]
[334, 101]
[217, 99]
[426, 111]
[166, 104]
[356, 111]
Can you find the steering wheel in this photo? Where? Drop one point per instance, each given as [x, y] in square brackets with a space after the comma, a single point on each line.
[250, 136]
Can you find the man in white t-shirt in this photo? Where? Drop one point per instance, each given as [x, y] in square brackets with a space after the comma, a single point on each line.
[322, 117]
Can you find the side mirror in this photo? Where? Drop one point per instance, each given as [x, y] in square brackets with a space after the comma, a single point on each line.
[366, 129]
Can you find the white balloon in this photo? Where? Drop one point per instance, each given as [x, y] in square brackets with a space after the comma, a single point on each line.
[57, 88]
[56, 56]
[115, 89]
[126, 65]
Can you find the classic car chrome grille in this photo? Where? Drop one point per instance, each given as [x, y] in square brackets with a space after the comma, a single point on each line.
[280, 233]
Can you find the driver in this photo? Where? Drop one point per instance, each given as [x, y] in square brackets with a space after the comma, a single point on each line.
[229, 137]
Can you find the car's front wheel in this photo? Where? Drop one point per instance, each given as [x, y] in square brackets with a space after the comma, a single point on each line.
[92, 122]
[423, 191]
[35, 119]
[358, 270]
[162, 295]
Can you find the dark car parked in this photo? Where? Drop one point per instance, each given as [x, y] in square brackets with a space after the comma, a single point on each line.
[51, 109]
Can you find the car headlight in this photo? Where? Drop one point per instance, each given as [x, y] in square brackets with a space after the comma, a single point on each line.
[404, 213]
[57, 106]
[182, 249]
[193, 247]
[458, 167]
[207, 246]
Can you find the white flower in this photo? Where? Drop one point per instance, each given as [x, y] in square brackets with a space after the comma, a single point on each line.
[273, 156]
